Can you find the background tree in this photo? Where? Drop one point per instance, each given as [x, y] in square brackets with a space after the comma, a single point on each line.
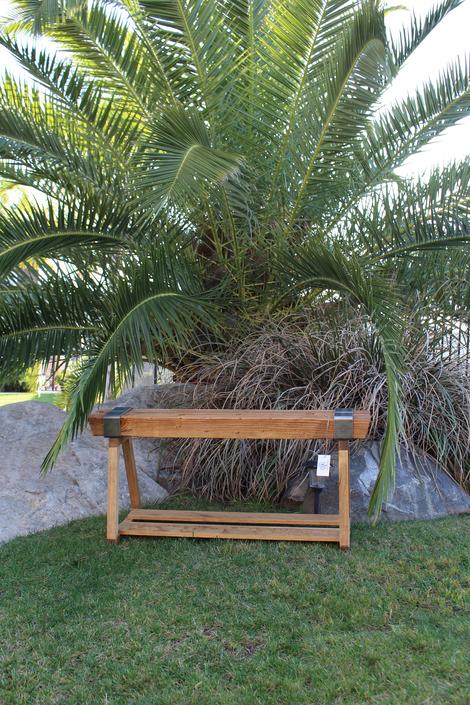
[196, 166]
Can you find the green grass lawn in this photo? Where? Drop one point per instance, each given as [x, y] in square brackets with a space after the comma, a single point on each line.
[193, 622]
[15, 398]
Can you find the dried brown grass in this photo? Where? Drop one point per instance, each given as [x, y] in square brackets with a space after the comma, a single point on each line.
[317, 363]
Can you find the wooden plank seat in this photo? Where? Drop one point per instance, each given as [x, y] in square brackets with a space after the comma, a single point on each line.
[121, 424]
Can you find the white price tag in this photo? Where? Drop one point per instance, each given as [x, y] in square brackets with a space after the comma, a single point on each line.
[323, 466]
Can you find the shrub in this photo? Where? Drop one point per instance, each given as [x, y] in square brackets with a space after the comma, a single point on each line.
[308, 362]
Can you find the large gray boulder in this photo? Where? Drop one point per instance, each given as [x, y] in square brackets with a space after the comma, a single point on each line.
[75, 488]
[423, 490]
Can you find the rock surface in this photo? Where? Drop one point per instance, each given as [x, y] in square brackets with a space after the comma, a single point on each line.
[75, 488]
[422, 491]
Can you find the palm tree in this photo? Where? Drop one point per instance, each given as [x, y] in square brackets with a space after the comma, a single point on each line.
[191, 165]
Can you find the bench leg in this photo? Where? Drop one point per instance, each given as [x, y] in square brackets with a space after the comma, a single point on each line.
[131, 472]
[112, 522]
[344, 516]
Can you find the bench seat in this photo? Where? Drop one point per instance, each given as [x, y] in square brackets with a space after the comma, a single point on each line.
[229, 423]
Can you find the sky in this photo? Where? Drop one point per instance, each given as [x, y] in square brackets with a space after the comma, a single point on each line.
[450, 40]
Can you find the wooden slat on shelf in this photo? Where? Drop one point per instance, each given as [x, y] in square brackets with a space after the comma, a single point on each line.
[228, 531]
[229, 423]
[209, 517]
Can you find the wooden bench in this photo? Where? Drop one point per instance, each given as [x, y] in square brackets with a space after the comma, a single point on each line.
[122, 424]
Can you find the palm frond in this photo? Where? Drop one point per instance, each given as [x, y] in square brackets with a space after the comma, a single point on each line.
[299, 40]
[56, 318]
[37, 15]
[48, 232]
[97, 120]
[418, 29]
[202, 48]
[153, 307]
[352, 82]
[423, 214]
[323, 269]
[180, 164]
[103, 42]
[410, 124]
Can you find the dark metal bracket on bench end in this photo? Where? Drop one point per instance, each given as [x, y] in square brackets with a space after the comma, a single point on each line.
[343, 420]
[112, 421]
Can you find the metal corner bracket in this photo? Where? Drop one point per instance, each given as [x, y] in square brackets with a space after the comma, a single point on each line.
[112, 421]
[343, 424]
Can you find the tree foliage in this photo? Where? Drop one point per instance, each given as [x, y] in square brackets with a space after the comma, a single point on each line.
[190, 165]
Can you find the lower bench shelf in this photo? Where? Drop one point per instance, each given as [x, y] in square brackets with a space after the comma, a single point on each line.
[221, 525]
[260, 526]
